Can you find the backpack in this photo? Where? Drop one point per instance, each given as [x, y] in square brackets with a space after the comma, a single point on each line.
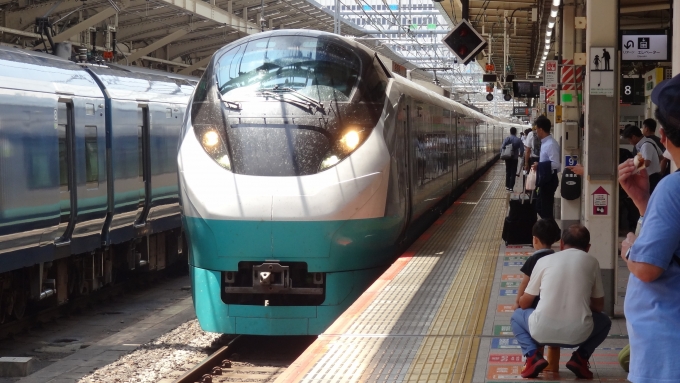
[536, 145]
[659, 152]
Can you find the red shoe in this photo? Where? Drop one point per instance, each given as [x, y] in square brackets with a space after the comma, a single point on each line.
[534, 365]
[579, 366]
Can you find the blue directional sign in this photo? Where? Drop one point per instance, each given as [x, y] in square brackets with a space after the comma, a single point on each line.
[551, 108]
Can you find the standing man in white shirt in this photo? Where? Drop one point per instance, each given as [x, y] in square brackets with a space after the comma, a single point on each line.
[533, 148]
[569, 312]
[546, 168]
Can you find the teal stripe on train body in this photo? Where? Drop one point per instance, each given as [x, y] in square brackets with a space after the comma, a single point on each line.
[342, 289]
[325, 246]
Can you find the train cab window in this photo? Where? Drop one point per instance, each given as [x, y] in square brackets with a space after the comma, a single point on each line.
[91, 157]
[313, 67]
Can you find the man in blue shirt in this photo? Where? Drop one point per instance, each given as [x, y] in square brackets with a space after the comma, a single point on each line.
[652, 304]
[511, 163]
[546, 169]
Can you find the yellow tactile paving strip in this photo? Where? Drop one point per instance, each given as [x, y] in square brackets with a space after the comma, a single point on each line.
[449, 352]
[432, 306]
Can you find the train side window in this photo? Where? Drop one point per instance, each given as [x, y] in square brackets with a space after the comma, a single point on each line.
[91, 157]
[168, 113]
[89, 109]
[62, 125]
[140, 142]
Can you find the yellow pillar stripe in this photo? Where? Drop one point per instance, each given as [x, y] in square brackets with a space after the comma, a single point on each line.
[449, 351]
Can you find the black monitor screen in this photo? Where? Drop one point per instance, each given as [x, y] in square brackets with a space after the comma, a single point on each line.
[521, 88]
[529, 89]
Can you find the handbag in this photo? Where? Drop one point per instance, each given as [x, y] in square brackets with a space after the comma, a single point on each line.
[506, 153]
[531, 181]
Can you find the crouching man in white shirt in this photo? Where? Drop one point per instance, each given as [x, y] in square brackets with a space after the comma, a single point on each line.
[569, 312]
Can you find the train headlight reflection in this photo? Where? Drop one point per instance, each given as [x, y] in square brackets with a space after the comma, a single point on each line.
[329, 161]
[351, 140]
[210, 138]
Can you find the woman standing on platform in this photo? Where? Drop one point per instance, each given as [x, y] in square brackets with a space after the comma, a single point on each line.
[511, 160]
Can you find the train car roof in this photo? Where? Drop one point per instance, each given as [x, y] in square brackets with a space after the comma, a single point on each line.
[39, 72]
[126, 83]
[138, 69]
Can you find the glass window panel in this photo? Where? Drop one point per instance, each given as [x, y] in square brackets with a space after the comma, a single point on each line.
[91, 155]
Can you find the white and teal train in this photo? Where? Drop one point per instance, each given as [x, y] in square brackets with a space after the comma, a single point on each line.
[304, 167]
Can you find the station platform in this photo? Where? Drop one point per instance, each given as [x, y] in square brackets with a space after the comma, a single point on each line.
[441, 312]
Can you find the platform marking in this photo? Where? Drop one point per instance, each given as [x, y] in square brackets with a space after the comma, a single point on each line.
[505, 309]
[505, 343]
[516, 258]
[502, 330]
[307, 366]
[505, 358]
[518, 253]
[504, 371]
[508, 292]
[511, 284]
[513, 264]
[444, 357]
[512, 277]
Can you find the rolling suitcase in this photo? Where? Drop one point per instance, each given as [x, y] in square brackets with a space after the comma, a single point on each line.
[520, 220]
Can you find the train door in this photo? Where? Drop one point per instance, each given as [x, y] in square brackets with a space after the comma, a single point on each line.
[454, 147]
[144, 171]
[67, 175]
[408, 165]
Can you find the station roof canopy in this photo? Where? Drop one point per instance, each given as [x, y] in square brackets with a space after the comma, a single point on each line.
[527, 38]
[177, 33]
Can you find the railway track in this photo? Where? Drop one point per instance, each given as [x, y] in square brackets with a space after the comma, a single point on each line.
[248, 358]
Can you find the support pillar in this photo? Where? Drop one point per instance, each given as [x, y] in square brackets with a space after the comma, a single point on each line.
[570, 211]
[676, 37]
[601, 145]
[676, 52]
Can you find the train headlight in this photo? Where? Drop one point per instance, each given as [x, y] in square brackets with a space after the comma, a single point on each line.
[211, 138]
[351, 140]
[348, 142]
[214, 145]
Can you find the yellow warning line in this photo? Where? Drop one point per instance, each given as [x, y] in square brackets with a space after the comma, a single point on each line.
[449, 352]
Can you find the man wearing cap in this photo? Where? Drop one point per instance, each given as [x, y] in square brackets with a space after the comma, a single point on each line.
[652, 305]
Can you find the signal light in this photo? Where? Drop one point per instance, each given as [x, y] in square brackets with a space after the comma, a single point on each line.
[464, 41]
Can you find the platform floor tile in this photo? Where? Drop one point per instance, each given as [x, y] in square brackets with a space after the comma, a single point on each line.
[499, 359]
[422, 320]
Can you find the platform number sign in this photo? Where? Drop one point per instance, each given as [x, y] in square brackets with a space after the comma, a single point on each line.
[570, 160]
[600, 201]
[632, 91]
[551, 108]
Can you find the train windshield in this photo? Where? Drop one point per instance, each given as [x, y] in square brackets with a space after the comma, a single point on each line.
[310, 66]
